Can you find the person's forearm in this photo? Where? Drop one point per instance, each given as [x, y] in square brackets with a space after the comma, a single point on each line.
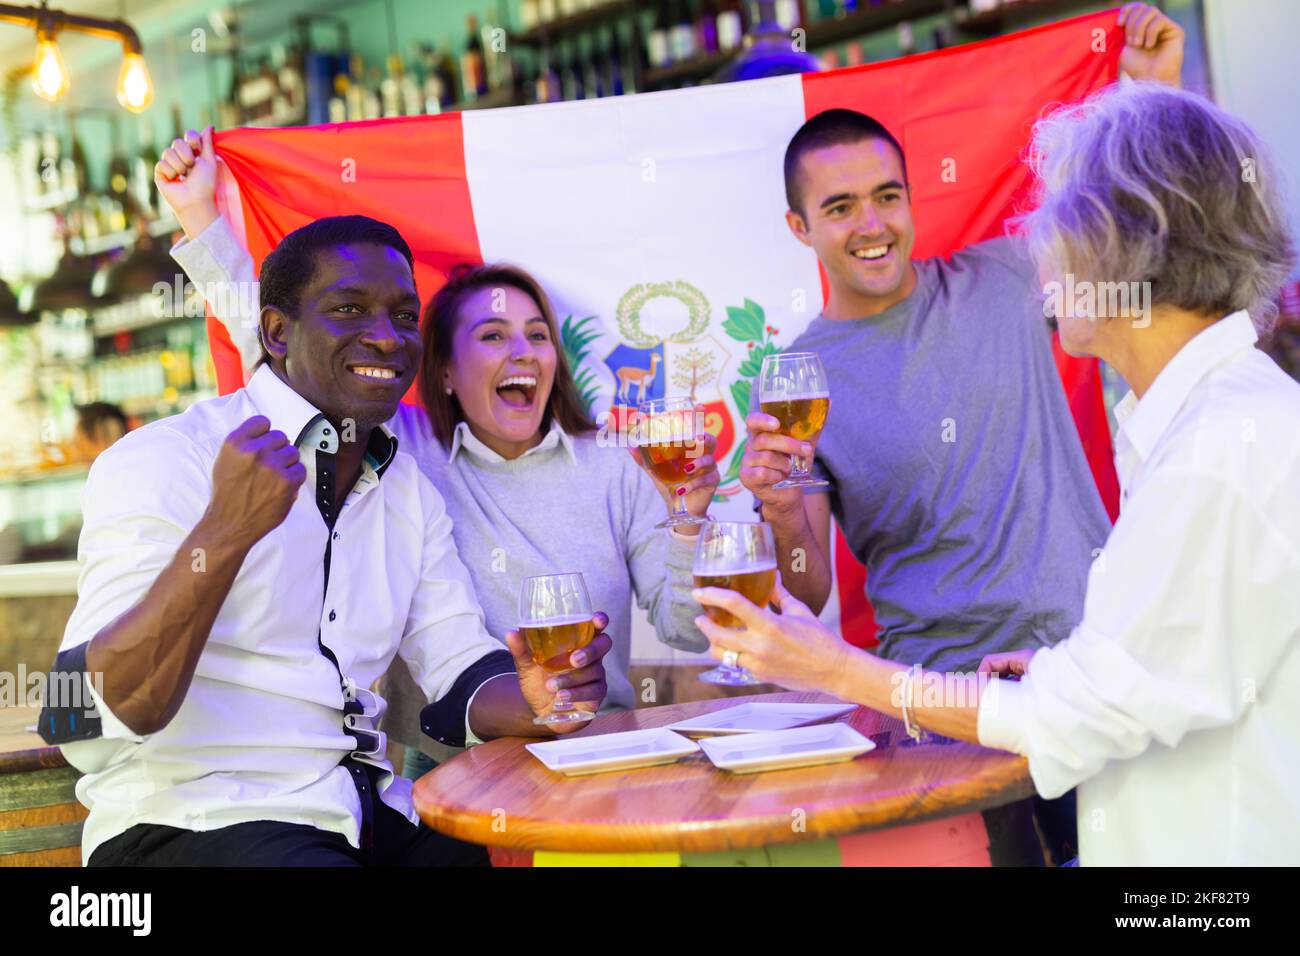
[805, 570]
[148, 655]
[948, 704]
[499, 710]
[194, 219]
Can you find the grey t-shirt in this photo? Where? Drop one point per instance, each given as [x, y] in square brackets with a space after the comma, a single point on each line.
[958, 477]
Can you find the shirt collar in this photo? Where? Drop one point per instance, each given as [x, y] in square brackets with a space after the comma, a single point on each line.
[306, 425]
[465, 439]
[1143, 422]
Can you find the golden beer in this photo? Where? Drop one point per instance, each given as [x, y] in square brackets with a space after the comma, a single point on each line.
[553, 641]
[755, 585]
[800, 418]
[668, 462]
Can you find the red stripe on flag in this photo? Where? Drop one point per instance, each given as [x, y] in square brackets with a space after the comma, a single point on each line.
[964, 116]
[408, 172]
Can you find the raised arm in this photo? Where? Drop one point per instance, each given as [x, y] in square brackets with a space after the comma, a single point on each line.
[211, 256]
[801, 523]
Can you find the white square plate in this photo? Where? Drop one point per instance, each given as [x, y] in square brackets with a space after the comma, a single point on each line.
[575, 756]
[760, 716]
[782, 749]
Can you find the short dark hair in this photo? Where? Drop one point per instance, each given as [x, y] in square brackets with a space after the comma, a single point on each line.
[836, 127]
[441, 318]
[289, 267]
[92, 416]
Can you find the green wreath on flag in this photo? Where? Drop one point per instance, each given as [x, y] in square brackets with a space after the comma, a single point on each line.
[628, 312]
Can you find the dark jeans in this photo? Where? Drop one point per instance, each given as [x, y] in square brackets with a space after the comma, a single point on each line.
[417, 764]
[270, 843]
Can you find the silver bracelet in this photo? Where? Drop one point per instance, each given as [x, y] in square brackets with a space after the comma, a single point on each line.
[912, 729]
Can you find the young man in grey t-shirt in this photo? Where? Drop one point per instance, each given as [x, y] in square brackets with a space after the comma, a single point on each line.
[956, 472]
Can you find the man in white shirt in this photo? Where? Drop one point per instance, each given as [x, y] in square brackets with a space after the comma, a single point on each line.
[1174, 704]
[250, 567]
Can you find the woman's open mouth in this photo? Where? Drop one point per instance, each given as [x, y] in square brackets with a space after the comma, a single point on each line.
[518, 391]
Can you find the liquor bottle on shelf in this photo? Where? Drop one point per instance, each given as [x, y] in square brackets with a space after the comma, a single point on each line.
[906, 39]
[48, 163]
[593, 77]
[548, 88]
[372, 106]
[448, 73]
[356, 88]
[681, 37]
[788, 16]
[409, 90]
[528, 14]
[657, 51]
[706, 27]
[390, 87]
[731, 26]
[143, 192]
[431, 82]
[473, 76]
[571, 77]
[72, 169]
[612, 64]
[338, 106]
[546, 11]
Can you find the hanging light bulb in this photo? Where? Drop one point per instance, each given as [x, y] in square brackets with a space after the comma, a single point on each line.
[134, 86]
[50, 77]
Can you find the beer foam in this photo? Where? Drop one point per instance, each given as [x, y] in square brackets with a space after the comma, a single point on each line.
[747, 569]
[777, 396]
[560, 621]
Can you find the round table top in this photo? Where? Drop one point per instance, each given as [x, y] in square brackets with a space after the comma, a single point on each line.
[498, 794]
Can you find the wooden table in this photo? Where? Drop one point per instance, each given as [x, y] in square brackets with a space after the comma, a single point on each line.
[499, 795]
[40, 818]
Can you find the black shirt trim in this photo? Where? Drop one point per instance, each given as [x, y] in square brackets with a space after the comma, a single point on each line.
[444, 719]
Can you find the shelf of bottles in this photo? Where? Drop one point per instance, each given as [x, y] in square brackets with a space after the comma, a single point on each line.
[557, 50]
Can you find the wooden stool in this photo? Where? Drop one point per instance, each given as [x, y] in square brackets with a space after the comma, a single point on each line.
[40, 818]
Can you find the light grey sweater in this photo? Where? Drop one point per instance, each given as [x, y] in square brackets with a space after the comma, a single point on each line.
[566, 505]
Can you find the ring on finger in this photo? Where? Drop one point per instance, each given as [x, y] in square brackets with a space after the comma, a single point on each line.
[730, 658]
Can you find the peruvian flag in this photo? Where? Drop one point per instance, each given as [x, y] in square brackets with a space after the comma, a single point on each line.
[656, 221]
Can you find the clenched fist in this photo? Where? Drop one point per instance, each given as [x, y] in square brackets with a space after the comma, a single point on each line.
[186, 177]
[254, 481]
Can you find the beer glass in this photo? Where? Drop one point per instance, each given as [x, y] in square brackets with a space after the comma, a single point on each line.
[664, 435]
[739, 556]
[555, 619]
[792, 389]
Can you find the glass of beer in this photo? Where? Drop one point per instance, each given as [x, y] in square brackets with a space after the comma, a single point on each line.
[555, 618]
[739, 556]
[792, 389]
[664, 435]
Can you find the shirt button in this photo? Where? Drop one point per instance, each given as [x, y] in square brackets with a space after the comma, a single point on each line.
[324, 444]
[332, 615]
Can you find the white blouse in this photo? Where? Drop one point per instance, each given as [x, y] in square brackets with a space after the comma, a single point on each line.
[1175, 705]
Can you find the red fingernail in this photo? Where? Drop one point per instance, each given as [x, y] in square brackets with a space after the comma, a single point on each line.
[681, 491]
[689, 468]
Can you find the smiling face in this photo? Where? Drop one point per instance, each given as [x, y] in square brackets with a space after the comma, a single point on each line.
[353, 347]
[856, 214]
[502, 367]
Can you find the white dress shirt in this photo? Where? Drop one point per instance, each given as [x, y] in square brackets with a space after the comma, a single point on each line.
[1175, 705]
[260, 734]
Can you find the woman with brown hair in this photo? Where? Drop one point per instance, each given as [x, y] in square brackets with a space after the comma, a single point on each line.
[504, 438]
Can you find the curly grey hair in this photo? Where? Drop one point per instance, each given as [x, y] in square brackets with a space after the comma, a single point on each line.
[1142, 182]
